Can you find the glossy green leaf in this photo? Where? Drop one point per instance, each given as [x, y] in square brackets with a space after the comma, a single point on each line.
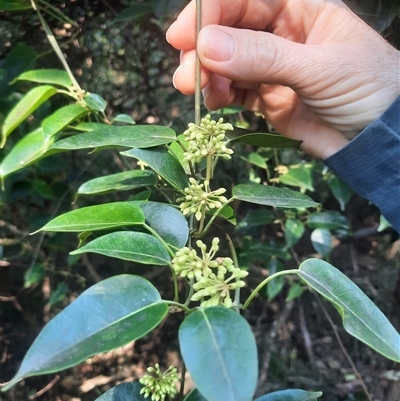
[29, 149]
[124, 118]
[259, 251]
[25, 107]
[321, 240]
[133, 12]
[298, 176]
[194, 395]
[15, 5]
[361, 318]
[163, 8]
[106, 316]
[99, 217]
[256, 218]
[291, 395]
[330, 220]
[132, 246]
[262, 139]
[61, 118]
[95, 102]
[124, 392]
[256, 159]
[177, 151]
[141, 196]
[213, 341]
[163, 164]
[34, 274]
[118, 182]
[90, 126]
[137, 136]
[47, 76]
[168, 222]
[294, 230]
[275, 286]
[294, 292]
[272, 196]
[340, 190]
[58, 294]
[226, 213]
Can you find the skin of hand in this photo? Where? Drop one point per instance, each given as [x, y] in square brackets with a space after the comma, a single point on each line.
[315, 70]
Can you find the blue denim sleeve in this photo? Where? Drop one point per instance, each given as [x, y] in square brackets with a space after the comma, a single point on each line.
[370, 163]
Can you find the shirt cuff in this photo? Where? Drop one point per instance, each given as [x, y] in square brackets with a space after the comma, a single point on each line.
[370, 163]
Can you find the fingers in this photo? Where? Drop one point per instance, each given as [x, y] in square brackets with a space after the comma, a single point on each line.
[255, 14]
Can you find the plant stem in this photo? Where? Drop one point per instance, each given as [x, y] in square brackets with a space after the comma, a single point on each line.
[178, 304]
[160, 239]
[197, 94]
[203, 232]
[183, 374]
[55, 46]
[236, 300]
[265, 282]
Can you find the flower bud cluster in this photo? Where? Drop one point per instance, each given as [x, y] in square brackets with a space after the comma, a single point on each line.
[199, 198]
[207, 139]
[209, 274]
[159, 385]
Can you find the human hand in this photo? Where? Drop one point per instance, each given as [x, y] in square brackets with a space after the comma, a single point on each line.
[324, 74]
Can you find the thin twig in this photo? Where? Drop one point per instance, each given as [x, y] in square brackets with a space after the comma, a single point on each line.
[45, 388]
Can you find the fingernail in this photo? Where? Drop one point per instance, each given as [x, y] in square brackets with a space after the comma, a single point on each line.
[218, 44]
[168, 31]
[181, 67]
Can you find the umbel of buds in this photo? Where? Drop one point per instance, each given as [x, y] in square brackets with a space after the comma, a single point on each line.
[207, 139]
[212, 287]
[158, 384]
[199, 198]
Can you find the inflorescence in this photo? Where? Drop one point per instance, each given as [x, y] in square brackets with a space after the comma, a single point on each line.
[159, 384]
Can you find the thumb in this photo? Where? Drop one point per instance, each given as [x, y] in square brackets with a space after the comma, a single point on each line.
[257, 57]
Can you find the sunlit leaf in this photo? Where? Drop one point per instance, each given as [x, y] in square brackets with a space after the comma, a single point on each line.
[272, 196]
[124, 181]
[47, 76]
[123, 118]
[98, 217]
[212, 341]
[298, 176]
[106, 316]
[256, 159]
[95, 102]
[321, 240]
[61, 118]
[136, 136]
[132, 246]
[25, 107]
[361, 318]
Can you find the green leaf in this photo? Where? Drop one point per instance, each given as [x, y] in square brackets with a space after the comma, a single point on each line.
[294, 230]
[163, 164]
[291, 395]
[226, 213]
[106, 316]
[321, 240]
[167, 221]
[256, 159]
[138, 136]
[383, 224]
[123, 118]
[28, 150]
[330, 220]
[87, 127]
[272, 196]
[133, 246]
[25, 107]
[163, 8]
[256, 218]
[340, 190]
[262, 139]
[194, 395]
[34, 274]
[95, 102]
[99, 217]
[213, 341]
[361, 318]
[295, 291]
[47, 76]
[275, 286]
[298, 176]
[124, 392]
[61, 118]
[15, 5]
[118, 182]
[58, 294]
[43, 189]
[133, 12]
